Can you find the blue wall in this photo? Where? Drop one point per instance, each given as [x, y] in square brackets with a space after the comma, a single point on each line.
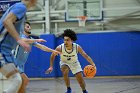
[114, 53]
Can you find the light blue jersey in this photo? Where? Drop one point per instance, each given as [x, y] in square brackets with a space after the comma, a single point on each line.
[7, 42]
[21, 56]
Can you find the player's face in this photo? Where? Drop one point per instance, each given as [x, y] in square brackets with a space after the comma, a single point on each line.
[67, 41]
[27, 28]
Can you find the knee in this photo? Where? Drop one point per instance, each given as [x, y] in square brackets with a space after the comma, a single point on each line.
[25, 81]
[65, 71]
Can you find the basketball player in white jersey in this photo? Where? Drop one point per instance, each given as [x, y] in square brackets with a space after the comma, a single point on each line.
[69, 60]
[11, 24]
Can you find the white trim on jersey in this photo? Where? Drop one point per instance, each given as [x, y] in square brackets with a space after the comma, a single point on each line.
[67, 56]
[3, 34]
[16, 51]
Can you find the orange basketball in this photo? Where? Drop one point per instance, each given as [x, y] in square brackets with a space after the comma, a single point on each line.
[89, 71]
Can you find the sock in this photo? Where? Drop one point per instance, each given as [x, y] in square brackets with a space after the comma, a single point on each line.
[84, 91]
[68, 88]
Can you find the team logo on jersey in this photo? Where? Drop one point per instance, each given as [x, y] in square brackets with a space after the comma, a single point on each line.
[69, 58]
[68, 55]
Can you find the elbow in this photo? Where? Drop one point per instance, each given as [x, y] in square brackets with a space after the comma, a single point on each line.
[53, 56]
[86, 56]
[6, 22]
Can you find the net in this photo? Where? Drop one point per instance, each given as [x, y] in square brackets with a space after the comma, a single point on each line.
[82, 20]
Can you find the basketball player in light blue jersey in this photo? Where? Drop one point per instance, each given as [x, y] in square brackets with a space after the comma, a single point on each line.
[21, 55]
[69, 60]
[11, 24]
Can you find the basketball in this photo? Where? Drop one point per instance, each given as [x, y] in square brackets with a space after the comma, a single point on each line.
[89, 71]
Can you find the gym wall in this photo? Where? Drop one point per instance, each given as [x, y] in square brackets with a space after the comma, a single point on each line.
[114, 53]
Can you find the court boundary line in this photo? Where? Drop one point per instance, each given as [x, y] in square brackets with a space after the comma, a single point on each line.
[96, 77]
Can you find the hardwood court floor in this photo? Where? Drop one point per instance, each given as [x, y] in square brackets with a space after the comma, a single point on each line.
[96, 85]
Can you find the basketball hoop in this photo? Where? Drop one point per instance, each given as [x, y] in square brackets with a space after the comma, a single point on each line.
[82, 20]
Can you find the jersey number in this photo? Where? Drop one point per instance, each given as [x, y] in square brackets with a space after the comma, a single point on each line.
[68, 58]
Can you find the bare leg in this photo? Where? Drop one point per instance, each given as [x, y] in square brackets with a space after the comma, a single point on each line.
[25, 82]
[80, 80]
[65, 71]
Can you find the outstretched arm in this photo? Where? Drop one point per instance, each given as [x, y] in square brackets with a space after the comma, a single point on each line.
[45, 48]
[33, 40]
[83, 53]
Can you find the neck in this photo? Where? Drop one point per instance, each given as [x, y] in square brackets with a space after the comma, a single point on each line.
[69, 47]
[26, 34]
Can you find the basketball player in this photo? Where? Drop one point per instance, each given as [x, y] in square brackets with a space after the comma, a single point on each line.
[11, 24]
[22, 56]
[69, 60]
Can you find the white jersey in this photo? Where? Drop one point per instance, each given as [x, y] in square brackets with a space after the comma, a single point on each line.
[69, 56]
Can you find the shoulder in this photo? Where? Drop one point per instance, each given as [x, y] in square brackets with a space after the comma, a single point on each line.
[19, 7]
[60, 46]
[75, 44]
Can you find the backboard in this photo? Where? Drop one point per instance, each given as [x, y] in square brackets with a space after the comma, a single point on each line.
[92, 9]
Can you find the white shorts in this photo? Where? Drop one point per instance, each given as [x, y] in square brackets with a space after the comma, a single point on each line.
[75, 67]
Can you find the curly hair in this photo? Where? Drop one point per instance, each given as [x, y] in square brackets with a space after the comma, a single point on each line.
[70, 33]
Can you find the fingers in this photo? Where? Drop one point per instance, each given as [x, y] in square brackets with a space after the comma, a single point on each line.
[40, 40]
[48, 71]
[27, 49]
[44, 40]
[56, 52]
[25, 45]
